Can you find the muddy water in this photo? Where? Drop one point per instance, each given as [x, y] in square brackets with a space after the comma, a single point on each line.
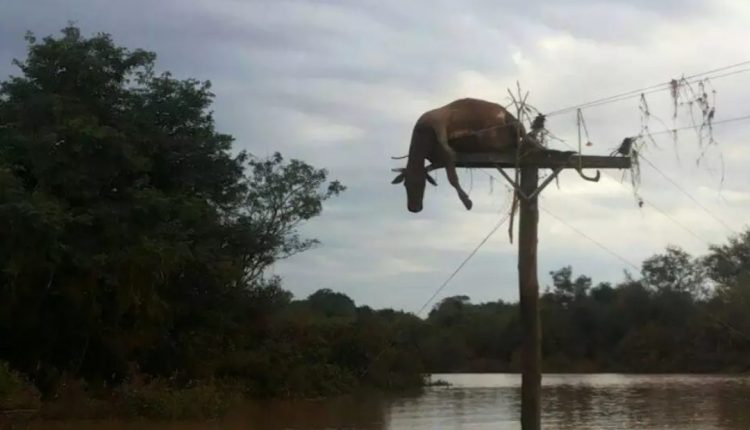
[491, 401]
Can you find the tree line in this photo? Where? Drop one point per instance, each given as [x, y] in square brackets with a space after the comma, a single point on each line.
[135, 239]
[679, 314]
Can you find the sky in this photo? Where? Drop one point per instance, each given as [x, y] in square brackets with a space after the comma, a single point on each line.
[340, 84]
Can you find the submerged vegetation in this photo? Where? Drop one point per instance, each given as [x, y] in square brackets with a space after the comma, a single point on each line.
[135, 243]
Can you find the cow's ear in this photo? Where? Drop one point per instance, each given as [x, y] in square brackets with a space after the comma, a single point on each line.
[398, 179]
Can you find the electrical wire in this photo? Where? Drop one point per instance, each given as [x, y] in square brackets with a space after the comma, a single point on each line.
[653, 88]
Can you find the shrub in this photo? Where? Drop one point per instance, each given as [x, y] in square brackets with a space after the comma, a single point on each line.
[16, 392]
[161, 399]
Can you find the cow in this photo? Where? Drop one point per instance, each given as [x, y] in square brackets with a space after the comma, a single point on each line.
[462, 126]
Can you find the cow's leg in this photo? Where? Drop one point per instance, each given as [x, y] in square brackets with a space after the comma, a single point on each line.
[449, 159]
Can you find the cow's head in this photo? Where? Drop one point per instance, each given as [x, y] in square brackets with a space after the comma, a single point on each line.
[414, 181]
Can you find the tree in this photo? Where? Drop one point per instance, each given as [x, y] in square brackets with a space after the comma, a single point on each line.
[567, 290]
[135, 237]
[278, 198]
[729, 265]
[331, 304]
[450, 310]
[673, 271]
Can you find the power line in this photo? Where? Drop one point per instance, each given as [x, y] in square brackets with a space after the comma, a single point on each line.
[606, 100]
[690, 196]
[658, 209]
[673, 130]
[629, 263]
[642, 91]
[463, 263]
[666, 215]
[580, 232]
[596, 242]
[653, 88]
[713, 123]
[604, 247]
[673, 219]
[720, 69]
[638, 94]
[661, 211]
[444, 284]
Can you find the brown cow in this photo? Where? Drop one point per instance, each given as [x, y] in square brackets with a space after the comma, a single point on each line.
[463, 126]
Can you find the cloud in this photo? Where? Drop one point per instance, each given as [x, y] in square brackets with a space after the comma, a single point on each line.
[339, 84]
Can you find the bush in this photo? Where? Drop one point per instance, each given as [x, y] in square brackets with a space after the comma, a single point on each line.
[160, 399]
[16, 392]
[73, 398]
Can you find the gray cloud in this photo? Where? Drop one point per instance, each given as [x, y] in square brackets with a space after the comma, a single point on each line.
[339, 84]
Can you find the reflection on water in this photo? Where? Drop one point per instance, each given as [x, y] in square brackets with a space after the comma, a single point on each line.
[492, 401]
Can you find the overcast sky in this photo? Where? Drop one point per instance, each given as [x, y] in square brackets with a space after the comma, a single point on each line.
[339, 84]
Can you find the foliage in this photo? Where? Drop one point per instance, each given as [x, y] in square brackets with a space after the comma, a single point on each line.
[159, 399]
[683, 314]
[135, 239]
[15, 391]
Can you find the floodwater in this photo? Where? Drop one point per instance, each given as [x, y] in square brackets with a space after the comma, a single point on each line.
[492, 401]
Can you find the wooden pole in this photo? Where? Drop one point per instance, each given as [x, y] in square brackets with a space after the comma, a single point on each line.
[528, 284]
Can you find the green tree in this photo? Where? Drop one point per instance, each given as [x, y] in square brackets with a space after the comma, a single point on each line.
[134, 236]
[331, 304]
[565, 289]
[674, 271]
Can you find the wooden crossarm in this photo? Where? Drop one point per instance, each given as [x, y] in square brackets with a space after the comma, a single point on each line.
[546, 159]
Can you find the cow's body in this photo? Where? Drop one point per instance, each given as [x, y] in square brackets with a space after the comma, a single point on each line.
[463, 126]
[474, 125]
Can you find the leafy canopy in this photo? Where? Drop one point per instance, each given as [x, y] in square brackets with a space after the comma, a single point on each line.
[129, 223]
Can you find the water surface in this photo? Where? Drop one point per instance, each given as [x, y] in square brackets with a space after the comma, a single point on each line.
[492, 401]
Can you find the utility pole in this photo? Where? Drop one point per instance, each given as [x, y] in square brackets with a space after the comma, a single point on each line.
[528, 291]
[528, 191]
